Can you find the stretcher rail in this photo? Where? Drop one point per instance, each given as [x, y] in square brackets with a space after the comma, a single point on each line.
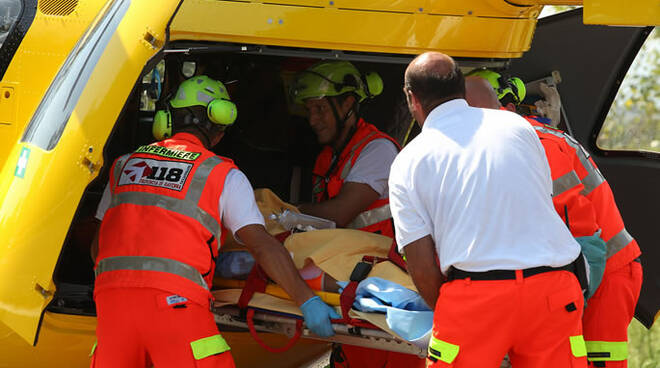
[230, 316]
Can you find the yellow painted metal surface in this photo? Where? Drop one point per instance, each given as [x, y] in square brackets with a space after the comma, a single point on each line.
[36, 208]
[64, 342]
[610, 12]
[492, 8]
[467, 35]
[617, 12]
[38, 58]
[37, 205]
[546, 2]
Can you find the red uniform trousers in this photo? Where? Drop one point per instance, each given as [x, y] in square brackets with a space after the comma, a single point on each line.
[137, 329]
[359, 357]
[536, 320]
[608, 314]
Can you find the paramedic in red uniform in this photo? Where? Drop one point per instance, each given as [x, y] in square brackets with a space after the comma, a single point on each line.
[612, 307]
[472, 209]
[350, 174]
[163, 213]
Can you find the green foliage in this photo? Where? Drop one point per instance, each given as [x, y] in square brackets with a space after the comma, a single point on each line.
[633, 122]
[643, 346]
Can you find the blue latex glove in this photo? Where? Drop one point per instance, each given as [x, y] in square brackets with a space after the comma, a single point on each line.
[594, 249]
[317, 316]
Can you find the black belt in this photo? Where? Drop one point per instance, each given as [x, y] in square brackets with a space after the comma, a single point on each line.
[456, 274]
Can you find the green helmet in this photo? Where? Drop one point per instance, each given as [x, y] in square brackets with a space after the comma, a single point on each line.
[513, 86]
[197, 91]
[334, 78]
[204, 91]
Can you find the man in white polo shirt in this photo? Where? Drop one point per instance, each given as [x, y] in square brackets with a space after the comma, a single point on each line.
[472, 208]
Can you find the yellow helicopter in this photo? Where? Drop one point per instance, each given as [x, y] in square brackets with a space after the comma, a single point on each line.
[80, 81]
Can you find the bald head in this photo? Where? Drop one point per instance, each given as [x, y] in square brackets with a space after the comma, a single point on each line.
[480, 93]
[431, 63]
[434, 78]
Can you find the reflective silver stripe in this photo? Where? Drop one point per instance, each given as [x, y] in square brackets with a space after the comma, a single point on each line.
[348, 165]
[592, 181]
[183, 207]
[564, 183]
[371, 217]
[198, 181]
[119, 166]
[594, 178]
[201, 96]
[137, 263]
[187, 206]
[618, 242]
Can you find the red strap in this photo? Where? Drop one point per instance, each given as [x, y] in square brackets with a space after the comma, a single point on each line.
[257, 279]
[396, 258]
[289, 344]
[256, 282]
[347, 298]
[281, 237]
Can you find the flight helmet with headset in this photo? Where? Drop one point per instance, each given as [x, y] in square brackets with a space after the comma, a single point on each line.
[335, 78]
[508, 89]
[199, 90]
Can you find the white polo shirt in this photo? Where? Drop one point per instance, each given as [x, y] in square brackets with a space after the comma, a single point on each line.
[477, 181]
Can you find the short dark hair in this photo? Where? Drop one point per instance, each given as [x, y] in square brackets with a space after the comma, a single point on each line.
[183, 121]
[433, 88]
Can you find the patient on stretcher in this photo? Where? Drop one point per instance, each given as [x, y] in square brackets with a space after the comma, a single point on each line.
[281, 219]
[326, 259]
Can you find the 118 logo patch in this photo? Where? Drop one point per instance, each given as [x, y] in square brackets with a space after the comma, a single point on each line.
[157, 173]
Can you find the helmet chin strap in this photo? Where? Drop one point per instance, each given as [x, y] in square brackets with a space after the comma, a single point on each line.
[341, 124]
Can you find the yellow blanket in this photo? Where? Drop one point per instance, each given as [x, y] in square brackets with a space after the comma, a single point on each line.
[335, 251]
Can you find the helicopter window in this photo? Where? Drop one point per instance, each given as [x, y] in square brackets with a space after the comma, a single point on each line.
[152, 87]
[54, 111]
[188, 68]
[633, 122]
[8, 16]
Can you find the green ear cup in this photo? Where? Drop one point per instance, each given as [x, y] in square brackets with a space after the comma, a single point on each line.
[513, 86]
[162, 125]
[374, 84]
[222, 112]
[518, 89]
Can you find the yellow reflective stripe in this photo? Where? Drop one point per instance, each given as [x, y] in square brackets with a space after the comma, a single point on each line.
[443, 351]
[91, 353]
[578, 347]
[208, 346]
[607, 350]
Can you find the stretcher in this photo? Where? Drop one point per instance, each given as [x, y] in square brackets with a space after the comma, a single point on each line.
[266, 308]
[230, 317]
